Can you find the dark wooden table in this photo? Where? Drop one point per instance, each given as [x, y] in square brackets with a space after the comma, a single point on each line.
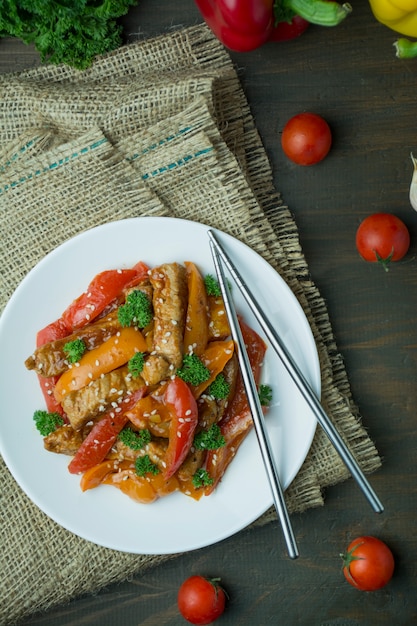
[349, 75]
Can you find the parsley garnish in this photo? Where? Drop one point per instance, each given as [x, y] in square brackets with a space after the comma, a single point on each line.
[202, 478]
[212, 286]
[144, 465]
[265, 395]
[219, 388]
[135, 439]
[193, 370]
[137, 310]
[74, 350]
[210, 439]
[136, 363]
[46, 422]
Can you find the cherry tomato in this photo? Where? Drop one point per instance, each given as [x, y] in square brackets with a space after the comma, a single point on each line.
[368, 563]
[382, 237]
[284, 31]
[306, 138]
[201, 600]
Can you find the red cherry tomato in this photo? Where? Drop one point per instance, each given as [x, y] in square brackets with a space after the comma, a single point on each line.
[382, 237]
[368, 563]
[201, 600]
[284, 31]
[306, 138]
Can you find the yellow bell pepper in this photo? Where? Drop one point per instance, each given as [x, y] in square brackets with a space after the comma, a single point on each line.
[399, 15]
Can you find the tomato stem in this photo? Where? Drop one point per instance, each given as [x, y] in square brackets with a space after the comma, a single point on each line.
[384, 262]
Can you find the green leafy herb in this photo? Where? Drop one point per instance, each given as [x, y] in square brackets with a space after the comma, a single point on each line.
[210, 439]
[71, 31]
[137, 310]
[46, 422]
[136, 363]
[193, 370]
[133, 439]
[212, 285]
[74, 350]
[144, 465]
[202, 478]
[265, 395]
[219, 388]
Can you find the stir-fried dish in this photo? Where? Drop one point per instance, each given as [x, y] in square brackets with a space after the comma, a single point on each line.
[142, 385]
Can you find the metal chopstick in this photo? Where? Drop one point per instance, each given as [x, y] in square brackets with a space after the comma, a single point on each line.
[300, 381]
[256, 409]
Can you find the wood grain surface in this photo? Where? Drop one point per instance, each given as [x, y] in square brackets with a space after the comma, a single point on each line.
[351, 76]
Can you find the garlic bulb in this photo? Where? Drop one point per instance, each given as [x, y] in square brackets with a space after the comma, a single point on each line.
[413, 186]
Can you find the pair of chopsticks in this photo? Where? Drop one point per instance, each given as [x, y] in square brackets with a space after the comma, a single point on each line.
[219, 255]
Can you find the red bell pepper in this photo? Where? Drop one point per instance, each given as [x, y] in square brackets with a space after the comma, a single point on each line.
[243, 25]
[102, 436]
[237, 421]
[180, 401]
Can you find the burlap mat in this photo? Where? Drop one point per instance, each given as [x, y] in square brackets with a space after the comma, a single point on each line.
[160, 127]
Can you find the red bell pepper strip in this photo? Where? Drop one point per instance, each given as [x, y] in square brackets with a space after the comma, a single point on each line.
[183, 407]
[237, 421]
[102, 290]
[102, 436]
[55, 330]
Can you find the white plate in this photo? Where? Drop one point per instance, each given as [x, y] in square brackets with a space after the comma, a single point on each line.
[105, 516]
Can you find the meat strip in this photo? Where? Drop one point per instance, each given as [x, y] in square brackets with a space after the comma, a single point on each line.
[99, 396]
[170, 299]
[51, 360]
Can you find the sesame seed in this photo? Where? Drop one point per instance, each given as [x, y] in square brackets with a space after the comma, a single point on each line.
[179, 434]
[90, 375]
[87, 317]
[221, 312]
[174, 322]
[119, 271]
[188, 412]
[97, 363]
[168, 333]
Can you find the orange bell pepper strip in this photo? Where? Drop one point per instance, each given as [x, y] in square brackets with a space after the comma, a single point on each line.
[109, 355]
[143, 489]
[196, 327]
[214, 357]
[237, 421]
[102, 436]
[94, 476]
[179, 399]
[218, 322]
